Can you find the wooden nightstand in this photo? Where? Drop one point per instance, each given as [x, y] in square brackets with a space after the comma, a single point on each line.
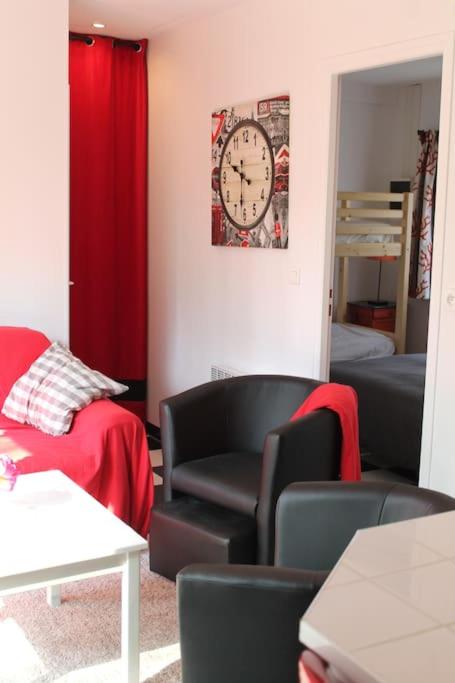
[380, 317]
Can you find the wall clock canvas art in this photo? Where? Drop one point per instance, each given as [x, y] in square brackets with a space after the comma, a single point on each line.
[250, 174]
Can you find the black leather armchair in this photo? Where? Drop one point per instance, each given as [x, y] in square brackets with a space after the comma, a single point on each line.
[230, 443]
[240, 623]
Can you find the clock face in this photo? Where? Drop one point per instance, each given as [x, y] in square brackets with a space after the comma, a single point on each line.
[247, 173]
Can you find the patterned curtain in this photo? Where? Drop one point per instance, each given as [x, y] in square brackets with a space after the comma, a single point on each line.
[424, 190]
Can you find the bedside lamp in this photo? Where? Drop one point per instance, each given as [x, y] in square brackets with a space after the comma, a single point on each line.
[378, 301]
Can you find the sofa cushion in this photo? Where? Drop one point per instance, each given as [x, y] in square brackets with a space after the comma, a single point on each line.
[56, 386]
[230, 479]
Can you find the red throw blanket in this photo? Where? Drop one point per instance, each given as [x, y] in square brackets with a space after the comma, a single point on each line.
[343, 401]
[105, 453]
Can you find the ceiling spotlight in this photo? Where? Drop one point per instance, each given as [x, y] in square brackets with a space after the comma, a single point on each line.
[97, 24]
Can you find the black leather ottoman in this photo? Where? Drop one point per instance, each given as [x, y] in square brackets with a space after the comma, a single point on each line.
[186, 531]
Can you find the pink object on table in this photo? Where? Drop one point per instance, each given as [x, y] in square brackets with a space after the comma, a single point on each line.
[8, 473]
[105, 452]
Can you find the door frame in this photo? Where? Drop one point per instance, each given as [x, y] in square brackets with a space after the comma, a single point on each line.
[432, 46]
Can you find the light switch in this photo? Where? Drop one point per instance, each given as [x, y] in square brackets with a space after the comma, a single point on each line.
[294, 277]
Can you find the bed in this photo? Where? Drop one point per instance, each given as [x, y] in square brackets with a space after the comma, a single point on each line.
[390, 392]
[367, 227]
[390, 383]
[353, 342]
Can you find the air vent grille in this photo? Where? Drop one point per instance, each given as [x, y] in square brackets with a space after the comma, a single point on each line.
[223, 372]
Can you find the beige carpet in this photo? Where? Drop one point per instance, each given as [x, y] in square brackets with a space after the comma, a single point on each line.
[79, 641]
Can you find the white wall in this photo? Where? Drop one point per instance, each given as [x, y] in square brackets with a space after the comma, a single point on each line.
[379, 143]
[371, 138]
[237, 306]
[430, 105]
[371, 154]
[34, 165]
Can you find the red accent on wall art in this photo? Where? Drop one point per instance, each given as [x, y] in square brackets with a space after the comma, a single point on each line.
[217, 225]
[217, 125]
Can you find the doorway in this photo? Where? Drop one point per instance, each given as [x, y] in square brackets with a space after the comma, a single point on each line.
[348, 76]
[389, 127]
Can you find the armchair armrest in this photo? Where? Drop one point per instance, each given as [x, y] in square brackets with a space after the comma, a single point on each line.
[240, 622]
[193, 426]
[307, 449]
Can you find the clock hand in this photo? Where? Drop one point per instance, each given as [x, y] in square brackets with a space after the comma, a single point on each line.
[235, 168]
[242, 177]
[247, 180]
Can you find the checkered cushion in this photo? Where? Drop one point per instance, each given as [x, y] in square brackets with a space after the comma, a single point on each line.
[56, 386]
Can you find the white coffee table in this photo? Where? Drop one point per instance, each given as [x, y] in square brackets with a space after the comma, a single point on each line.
[53, 532]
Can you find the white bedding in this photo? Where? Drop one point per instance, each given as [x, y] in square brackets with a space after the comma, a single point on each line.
[365, 239]
[351, 342]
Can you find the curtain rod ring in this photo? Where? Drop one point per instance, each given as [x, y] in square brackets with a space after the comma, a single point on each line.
[122, 42]
[83, 38]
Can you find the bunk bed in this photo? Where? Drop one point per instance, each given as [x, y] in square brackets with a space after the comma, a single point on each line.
[375, 232]
[390, 387]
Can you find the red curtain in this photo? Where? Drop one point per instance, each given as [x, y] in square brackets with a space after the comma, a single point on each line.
[108, 243]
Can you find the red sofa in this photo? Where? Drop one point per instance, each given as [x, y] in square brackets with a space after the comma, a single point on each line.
[105, 452]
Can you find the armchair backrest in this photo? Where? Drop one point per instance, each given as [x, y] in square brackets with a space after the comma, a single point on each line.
[256, 404]
[19, 348]
[315, 521]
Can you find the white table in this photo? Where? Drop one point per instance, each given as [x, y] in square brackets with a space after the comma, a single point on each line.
[53, 532]
[386, 614]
